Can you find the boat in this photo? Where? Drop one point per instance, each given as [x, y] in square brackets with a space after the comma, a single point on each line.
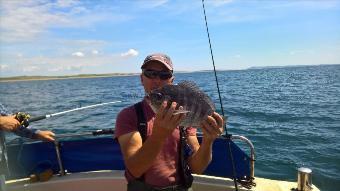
[93, 161]
[96, 163]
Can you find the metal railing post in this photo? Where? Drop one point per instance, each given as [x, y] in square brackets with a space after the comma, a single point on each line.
[252, 152]
[60, 163]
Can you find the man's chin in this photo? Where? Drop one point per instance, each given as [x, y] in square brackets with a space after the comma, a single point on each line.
[151, 89]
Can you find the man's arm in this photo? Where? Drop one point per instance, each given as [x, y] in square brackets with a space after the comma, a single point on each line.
[44, 135]
[140, 156]
[212, 127]
[9, 123]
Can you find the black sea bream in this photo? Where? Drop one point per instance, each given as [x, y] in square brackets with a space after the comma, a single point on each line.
[196, 104]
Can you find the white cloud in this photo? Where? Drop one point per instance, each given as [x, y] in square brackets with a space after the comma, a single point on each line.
[66, 3]
[3, 66]
[218, 3]
[78, 54]
[62, 65]
[229, 11]
[301, 52]
[151, 4]
[95, 52]
[24, 20]
[33, 19]
[74, 68]
[130, 53]
[30, 68]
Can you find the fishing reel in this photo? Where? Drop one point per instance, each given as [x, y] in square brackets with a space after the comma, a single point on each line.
[23, 118]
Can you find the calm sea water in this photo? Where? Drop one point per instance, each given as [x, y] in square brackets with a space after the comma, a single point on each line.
[292, 115]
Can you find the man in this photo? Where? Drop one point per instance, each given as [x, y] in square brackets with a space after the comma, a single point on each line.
[154, 163]
[10, 124]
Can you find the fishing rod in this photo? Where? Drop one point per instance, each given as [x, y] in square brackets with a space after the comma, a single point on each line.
[213, 62]
[228, 136]
[93, 133]
[25, 119]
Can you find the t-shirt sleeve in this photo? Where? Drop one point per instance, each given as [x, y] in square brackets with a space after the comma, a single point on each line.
[126, 122]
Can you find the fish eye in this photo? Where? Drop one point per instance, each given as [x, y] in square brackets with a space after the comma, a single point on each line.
[159, 95]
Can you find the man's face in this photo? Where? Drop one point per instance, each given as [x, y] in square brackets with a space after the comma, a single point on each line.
[151, 84]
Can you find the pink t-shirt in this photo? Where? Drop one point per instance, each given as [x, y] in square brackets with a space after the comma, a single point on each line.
[163, 170]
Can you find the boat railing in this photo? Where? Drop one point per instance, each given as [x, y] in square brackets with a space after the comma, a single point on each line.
[56, 142]
[60, 137]
[72, 135]
[251, 155]
[252, 152]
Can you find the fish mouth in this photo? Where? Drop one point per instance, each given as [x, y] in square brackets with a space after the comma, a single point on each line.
[147, 96]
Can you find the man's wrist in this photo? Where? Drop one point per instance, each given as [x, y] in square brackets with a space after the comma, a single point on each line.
[1, 120]
[207, 141]
[35, 133]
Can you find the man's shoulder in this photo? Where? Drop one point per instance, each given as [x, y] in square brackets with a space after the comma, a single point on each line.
[130, 110]
[126, 121]
[127, 110]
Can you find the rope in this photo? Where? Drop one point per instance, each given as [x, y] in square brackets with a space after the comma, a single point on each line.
[219, 95]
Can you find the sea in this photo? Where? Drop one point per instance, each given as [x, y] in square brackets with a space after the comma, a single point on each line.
[291, 114]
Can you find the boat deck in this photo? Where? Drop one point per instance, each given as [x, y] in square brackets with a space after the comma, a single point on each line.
[114, 180]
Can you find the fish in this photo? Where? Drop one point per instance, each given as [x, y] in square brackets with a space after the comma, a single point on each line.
[196, 104]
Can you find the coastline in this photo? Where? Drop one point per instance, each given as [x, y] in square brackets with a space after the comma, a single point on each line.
[78, 76]
[81, 76]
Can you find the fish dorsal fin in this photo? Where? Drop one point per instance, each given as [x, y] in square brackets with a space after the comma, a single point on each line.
[188, 84]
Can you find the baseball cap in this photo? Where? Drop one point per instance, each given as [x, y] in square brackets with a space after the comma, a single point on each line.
[161, 58]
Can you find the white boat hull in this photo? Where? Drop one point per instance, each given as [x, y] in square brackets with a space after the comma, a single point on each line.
[115, 180]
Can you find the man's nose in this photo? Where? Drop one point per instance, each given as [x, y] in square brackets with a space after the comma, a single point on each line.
[156, 79]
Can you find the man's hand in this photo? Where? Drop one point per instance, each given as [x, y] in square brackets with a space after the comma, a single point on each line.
[45, 135]
[212, 127]
[9, 123]
[165, 121]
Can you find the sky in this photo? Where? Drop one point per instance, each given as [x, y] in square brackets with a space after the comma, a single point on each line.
[69, 37]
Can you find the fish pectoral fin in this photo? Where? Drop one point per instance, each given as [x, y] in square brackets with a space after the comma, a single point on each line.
[176, 112]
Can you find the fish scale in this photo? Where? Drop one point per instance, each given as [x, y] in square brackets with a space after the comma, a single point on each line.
[188, 95]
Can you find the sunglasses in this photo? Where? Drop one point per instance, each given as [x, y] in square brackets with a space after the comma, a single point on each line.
[152, 74]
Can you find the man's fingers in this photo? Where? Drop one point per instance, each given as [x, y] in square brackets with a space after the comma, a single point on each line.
[168, 114]
[212, 121]
[206, 127]
[162, 109]
[179, 118]
[212, 127]
[219, 119]
[215, 127]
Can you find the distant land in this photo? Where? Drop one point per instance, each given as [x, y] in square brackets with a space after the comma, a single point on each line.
[30, 78]
[287, 66]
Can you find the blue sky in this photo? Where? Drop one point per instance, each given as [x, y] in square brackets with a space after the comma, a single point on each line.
[41, 37]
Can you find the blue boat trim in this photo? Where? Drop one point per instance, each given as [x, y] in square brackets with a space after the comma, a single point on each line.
[103, 153]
